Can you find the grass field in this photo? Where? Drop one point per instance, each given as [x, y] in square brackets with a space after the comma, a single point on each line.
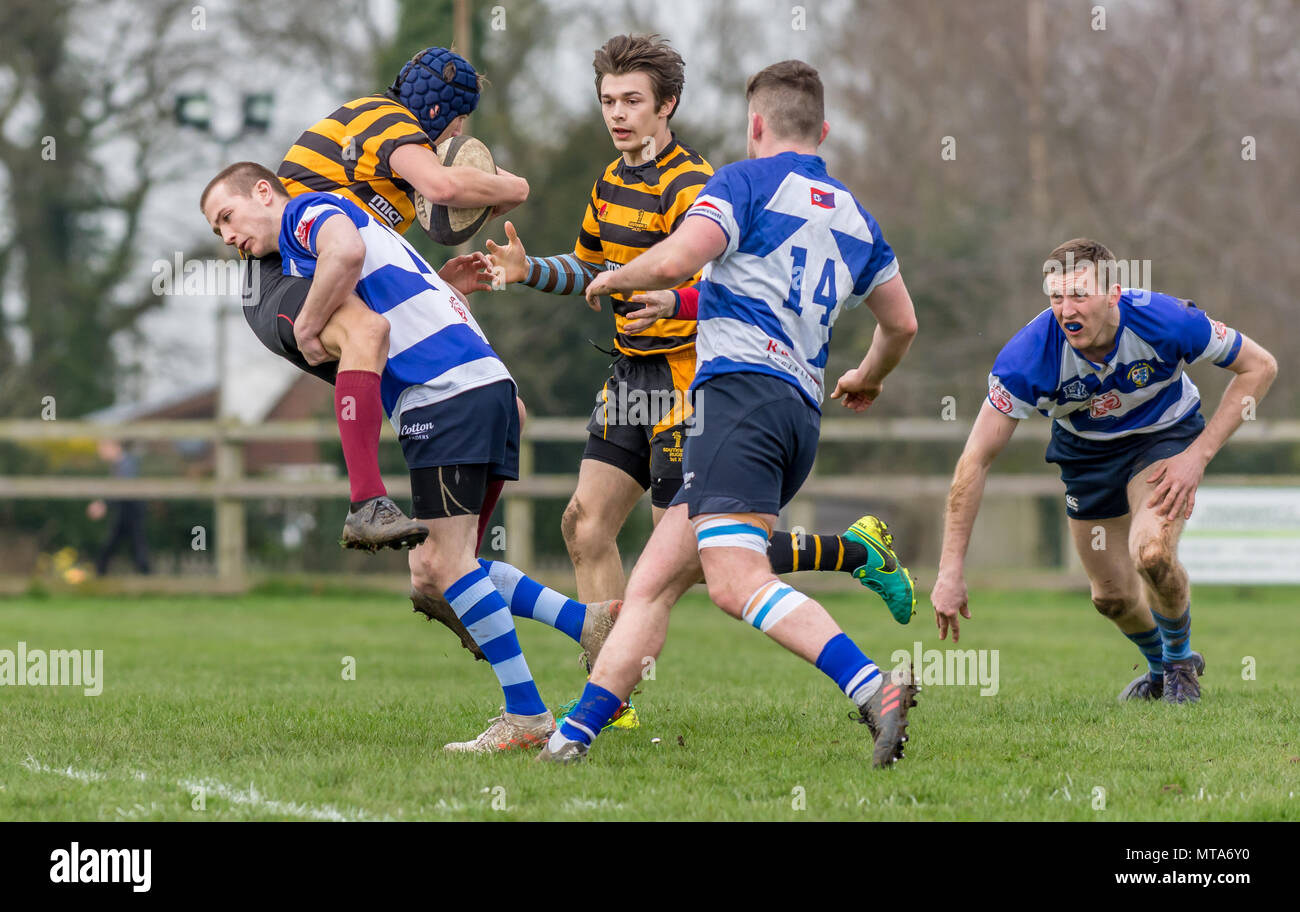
[245, 699]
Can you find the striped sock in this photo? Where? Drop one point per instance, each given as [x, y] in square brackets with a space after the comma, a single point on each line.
[855, 674]
[791, 551]
[528, 598]
[596, 707]
[1176, 634]
[1152, 650]
[484, 613]
[771, 602]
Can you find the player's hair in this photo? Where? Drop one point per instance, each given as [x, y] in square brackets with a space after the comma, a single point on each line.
[649, 54]
[241, 177]
[791, 99]
[1078, 252]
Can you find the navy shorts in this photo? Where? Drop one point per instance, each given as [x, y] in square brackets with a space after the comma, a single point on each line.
[1097, 472]
[756, 444]
[271, 304]
[476, 427]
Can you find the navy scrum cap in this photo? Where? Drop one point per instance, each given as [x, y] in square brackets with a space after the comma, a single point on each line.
[436, 76]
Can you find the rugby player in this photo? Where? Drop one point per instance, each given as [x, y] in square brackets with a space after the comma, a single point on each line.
[449, 397]
[785, 249]
[639, 199]
[1108, 364]
[377, 152]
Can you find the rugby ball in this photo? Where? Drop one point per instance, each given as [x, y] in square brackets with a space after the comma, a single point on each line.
[444, 224]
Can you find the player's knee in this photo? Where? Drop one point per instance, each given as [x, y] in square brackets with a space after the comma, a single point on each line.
[1155, 559]
[581, 529]
[729, 594]
[373, 333]
[1114, 607]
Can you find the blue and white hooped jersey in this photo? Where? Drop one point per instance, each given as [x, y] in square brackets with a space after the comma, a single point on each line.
[435, 348]
[1139, 389]
[800, 249]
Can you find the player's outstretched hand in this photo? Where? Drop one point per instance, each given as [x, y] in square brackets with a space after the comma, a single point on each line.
[1176, 480]
[468, 273]
[856, 392]
[657, 305]
[949, 599]
[599, 285]
[511, 258]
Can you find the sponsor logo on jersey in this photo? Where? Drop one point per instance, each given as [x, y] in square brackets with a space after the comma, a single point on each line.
[418, 431]
[385, 210]
[1101, 405]
[1075, 389]
[823, 198]
[1000, 398]
[1072, 502]
[303, 231]
[1140, 374]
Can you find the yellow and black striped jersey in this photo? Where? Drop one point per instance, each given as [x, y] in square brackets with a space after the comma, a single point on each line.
[630, 210]
[347, 153]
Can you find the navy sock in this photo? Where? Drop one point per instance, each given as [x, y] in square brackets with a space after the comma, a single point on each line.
[1152, 647]
[1176, 634]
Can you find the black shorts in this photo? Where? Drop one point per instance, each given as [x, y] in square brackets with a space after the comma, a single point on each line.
[637, 425]
[1097, 472]
[756, 444]
[455, 447]
[272, 301]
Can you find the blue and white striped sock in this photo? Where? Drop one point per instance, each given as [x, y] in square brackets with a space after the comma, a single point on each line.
[484, 613]
[595, 708]
[528, 598]
[845, 664]
[1176, 633]
[1152, 650]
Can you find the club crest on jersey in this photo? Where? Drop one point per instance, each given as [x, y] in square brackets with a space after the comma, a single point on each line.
[1220, 329]
[303, 231]
[1075, 389]
[823, 198]
[1000, 398]
[460, 311]
[1101, 405]
[1140, 374]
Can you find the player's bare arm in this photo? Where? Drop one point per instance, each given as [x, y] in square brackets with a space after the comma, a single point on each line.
[1175, 481]
[340, 255]
[987, 438]
[667, 264]
[895, 330]
[456, 185]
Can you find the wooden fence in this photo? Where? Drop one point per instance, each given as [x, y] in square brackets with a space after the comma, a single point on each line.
[229, 487]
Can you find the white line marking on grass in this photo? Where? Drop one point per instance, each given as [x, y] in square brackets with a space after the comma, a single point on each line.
[68, 772]
[249, 797]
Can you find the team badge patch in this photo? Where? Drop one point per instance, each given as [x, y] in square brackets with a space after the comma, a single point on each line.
[1075, 389]
[1000, 398]
[303, 231]
[1140, 374]
[1220, 330]
[1071, 501]
[822, 198]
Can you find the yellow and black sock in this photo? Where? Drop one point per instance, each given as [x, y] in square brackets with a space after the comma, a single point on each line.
[791, 551]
